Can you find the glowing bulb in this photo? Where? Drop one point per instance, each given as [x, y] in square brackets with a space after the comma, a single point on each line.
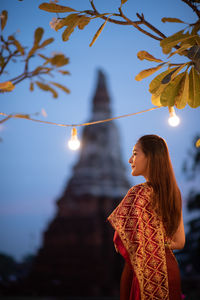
[74, 143]
[173, 118]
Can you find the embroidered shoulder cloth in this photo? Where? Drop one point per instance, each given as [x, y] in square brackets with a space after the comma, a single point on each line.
[142, 234]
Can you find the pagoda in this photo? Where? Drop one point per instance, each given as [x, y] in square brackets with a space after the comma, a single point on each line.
[77, 257]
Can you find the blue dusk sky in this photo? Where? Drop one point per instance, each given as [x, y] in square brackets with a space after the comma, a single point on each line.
[35, 162]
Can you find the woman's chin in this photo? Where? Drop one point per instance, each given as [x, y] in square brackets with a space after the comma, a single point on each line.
[133, 173]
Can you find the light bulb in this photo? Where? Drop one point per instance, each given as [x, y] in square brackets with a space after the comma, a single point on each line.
[173, 118]
[74, 143]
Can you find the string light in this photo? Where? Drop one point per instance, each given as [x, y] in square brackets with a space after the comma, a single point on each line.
[74, 142]
[173, 118]
[27, 117]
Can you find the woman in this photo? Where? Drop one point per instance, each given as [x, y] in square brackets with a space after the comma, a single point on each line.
[148, 225]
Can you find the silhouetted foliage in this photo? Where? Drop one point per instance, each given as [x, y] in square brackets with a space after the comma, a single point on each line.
[12, 51]
[189, 257]
[8, 267]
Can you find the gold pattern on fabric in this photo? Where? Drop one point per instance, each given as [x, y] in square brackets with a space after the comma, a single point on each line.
[142, 234]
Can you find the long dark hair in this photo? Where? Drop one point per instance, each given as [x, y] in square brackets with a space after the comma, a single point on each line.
[167, 196]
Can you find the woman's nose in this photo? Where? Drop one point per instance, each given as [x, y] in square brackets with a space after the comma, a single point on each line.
[130, 160]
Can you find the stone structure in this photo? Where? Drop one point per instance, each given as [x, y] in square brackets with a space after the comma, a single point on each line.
[78, 257]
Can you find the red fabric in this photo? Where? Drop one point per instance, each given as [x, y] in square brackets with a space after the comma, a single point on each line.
[174, 280]
[140, 238]
[135, 289]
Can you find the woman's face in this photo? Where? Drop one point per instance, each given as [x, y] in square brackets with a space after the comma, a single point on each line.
[138, 162]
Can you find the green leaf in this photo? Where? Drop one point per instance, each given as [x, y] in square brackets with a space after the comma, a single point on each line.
[194, 88]
[68, 31]
[72, 18]
[38, 35]
[183, 92]
[60, 86]
[194, 53]
[197, 144]
[155, 99]
[145, 55]
[53, 7]
[123, 1]
[173, 20]
[17, 44]
[4, 17]
[167, 97]
[59, 60]
[192, 40]
[197, 39]
[156, 82]
[173, 74]
[83, 21]
[6, 86]
[46, 42]
[37, 38]
[64, 72]
[32, 51]
[173, 40]
[46, 87]
[181, 50]
[98, 32]
[145, 73]
[31, 88]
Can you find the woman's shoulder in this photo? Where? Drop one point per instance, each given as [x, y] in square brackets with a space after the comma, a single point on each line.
[137, 193]
[137, 196]
[142, 188]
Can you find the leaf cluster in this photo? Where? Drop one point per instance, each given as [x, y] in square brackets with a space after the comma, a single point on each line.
[193, 160]
[76, 19]
[180, 83]
[13, 51]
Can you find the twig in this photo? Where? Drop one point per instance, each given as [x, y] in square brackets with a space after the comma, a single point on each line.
[128, 22]
[141, 17]
[194, 8]
[7, 61]
[25, 75]
[138, 27]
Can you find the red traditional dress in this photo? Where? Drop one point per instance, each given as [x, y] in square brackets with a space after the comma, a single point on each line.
[141, 239]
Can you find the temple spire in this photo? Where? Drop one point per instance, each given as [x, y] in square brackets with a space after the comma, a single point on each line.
[100, 170]
[101, 100]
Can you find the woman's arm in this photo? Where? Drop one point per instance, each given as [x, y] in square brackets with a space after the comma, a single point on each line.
[178, 239]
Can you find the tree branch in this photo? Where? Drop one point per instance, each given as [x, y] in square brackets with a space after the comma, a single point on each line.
[95, 12]
[129, 22]
[135, 24]
[25, 75]
[141, 17]
[7, 61]
[194, 8]
[20, 79]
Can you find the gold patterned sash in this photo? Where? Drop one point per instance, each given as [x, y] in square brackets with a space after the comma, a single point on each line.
[142, 234]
